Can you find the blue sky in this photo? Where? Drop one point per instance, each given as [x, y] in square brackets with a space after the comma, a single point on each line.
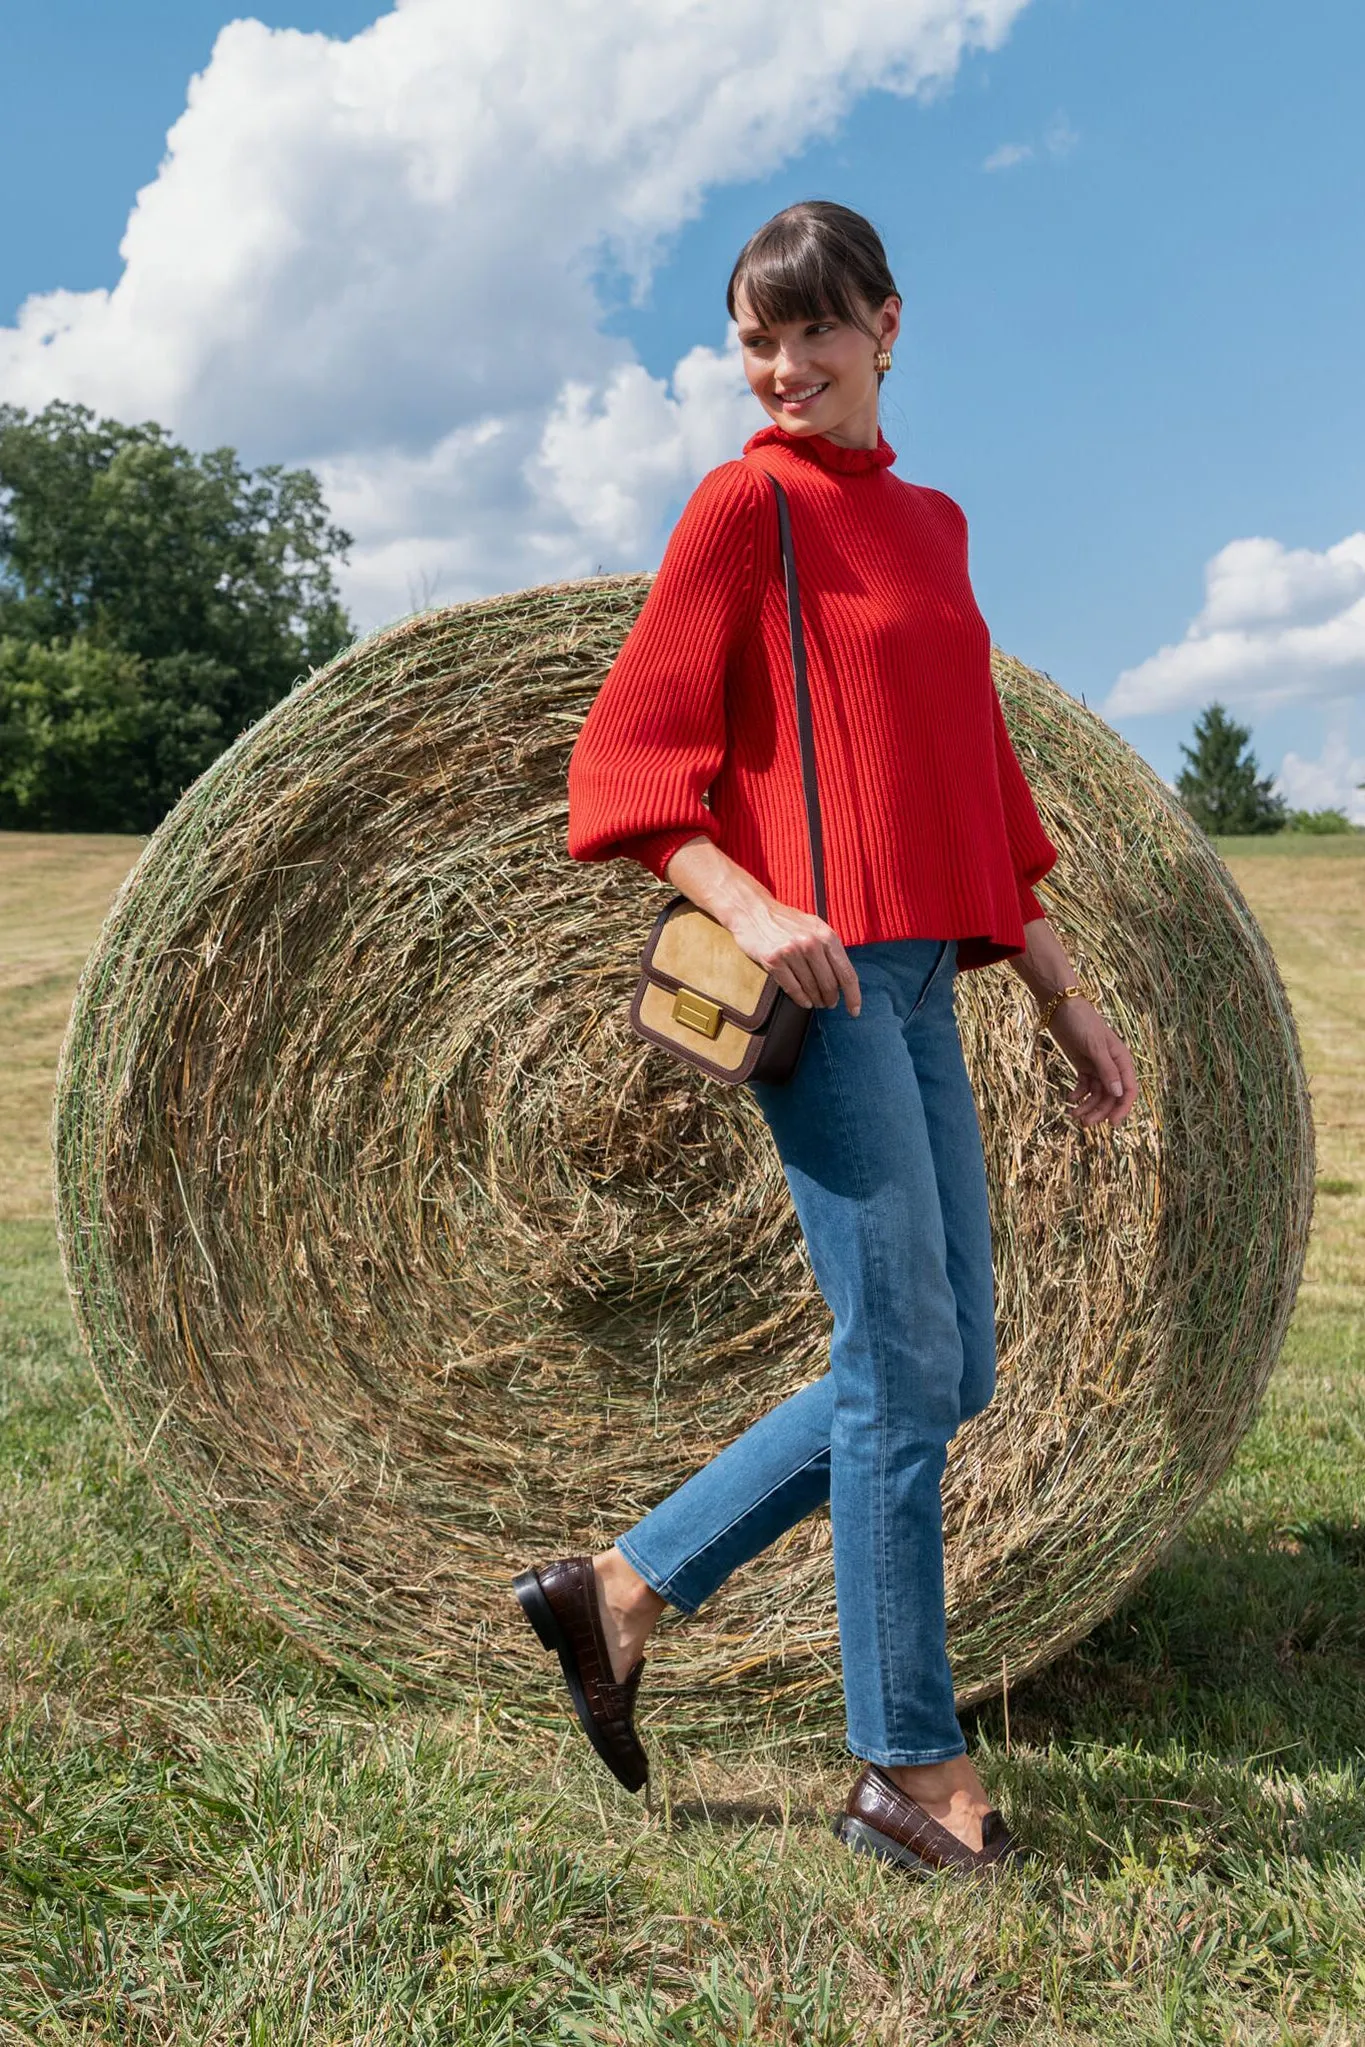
[1135, 342]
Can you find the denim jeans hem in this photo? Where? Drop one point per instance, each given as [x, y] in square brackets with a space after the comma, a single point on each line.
[663, 1591]
[907, 1757]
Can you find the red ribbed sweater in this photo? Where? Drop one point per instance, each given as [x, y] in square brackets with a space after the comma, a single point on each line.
[930, 829]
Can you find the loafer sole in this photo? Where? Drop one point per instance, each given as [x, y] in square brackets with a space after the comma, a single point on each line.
[865, 1840]
[539, 1612]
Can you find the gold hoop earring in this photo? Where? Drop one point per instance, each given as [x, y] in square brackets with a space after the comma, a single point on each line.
[881, 362]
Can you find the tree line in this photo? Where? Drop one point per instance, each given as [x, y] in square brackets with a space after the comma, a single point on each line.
[154, 602]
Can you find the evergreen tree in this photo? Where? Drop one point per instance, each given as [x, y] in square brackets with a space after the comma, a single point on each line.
[1221, 788]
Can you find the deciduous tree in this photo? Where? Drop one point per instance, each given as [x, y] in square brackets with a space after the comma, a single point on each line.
[164, 596]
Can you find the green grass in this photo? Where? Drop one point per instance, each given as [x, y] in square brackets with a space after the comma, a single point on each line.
[206, 1837]
[1329, 845]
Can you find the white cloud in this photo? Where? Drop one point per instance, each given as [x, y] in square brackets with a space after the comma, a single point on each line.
[1059, 139]
[1334, 781]
[1279, 625]
[379, 256]
[612, 459]
[1007, 156]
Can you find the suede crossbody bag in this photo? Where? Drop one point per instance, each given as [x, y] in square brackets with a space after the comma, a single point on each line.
[699, 995]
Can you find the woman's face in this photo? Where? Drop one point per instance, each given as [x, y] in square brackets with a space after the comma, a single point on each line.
[817, 376]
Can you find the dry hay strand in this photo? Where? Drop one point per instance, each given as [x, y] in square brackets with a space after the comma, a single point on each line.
[404, 1263]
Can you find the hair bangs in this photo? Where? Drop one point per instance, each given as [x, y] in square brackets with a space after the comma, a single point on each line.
[813, 261]
[792, 278]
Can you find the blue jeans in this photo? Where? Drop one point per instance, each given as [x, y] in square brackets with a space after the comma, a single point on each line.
[880, 1145]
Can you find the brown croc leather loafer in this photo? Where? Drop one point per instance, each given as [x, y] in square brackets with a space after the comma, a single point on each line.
[560, 1602]
[880, 1819]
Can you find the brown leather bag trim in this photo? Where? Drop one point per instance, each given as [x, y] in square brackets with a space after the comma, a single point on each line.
[693, 1055]
[772, 1053]
[747, 1019]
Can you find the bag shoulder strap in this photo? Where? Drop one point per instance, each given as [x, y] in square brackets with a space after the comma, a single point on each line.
[805, 728]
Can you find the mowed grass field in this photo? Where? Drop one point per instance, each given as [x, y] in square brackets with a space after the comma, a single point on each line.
[207, 1837]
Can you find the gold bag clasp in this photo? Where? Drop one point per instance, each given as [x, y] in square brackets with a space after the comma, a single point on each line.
[698, 1012]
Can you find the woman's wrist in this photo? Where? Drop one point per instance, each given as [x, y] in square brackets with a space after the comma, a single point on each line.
[1043, 990]
[1047, 1014]
[1043, 966]
[715, 882]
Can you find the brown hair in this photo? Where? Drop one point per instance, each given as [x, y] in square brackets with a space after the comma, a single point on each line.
[811, 260]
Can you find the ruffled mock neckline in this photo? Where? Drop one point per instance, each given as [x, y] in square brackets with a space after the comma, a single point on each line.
[829, 454]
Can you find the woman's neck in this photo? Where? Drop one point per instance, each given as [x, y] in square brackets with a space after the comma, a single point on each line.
[859, 430]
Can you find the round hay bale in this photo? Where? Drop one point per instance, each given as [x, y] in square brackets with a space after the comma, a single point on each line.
[404, 1263]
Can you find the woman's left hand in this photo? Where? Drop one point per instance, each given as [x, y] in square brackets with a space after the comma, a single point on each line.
[1106, 1086]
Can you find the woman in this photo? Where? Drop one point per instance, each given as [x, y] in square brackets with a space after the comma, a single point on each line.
[932, 847]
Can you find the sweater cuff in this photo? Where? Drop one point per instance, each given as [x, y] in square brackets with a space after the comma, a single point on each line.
[654, 850]
[1029, 905]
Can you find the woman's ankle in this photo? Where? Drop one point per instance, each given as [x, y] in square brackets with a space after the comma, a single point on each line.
[936, 1783]
[629, 1595]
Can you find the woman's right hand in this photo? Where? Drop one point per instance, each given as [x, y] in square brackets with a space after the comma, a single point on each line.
[803, 953]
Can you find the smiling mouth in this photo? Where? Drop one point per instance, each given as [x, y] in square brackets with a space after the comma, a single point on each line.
[804, 397]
